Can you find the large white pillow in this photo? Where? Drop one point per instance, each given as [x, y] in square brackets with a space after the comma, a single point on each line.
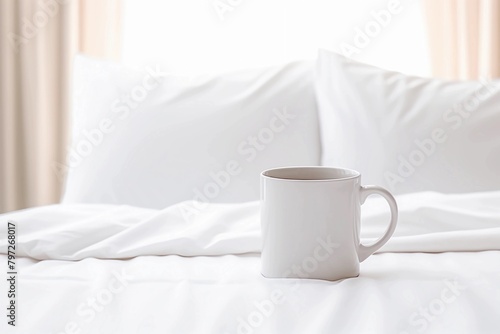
[408, 133]
[150, 139]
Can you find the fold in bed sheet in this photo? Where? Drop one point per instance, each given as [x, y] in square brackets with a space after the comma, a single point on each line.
[428, 222]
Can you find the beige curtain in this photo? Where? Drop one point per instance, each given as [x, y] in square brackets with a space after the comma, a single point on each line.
[39, 39]
[464, 38]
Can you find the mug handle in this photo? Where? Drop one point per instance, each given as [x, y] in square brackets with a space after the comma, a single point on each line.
[365, 251]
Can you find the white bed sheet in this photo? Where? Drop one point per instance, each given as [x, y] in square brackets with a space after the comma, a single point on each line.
[120, 269]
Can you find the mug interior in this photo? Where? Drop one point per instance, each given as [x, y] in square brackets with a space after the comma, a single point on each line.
[311, 173]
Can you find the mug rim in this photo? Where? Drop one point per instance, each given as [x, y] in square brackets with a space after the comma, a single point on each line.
[354, 174]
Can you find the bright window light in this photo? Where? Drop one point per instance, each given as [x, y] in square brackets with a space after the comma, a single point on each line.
[205, 36]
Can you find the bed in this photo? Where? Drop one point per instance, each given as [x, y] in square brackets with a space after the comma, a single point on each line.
[159, 231]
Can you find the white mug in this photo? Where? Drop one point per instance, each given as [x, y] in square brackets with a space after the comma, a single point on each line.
[310, 220]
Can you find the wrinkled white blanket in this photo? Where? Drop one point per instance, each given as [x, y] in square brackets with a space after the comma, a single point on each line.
[134, 270]
[428, 222]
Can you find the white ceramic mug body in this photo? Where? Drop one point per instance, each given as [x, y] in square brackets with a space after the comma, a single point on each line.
[310, 220]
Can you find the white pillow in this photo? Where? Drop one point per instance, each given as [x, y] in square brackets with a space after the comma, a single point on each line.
[150, 139]
[408, 133]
